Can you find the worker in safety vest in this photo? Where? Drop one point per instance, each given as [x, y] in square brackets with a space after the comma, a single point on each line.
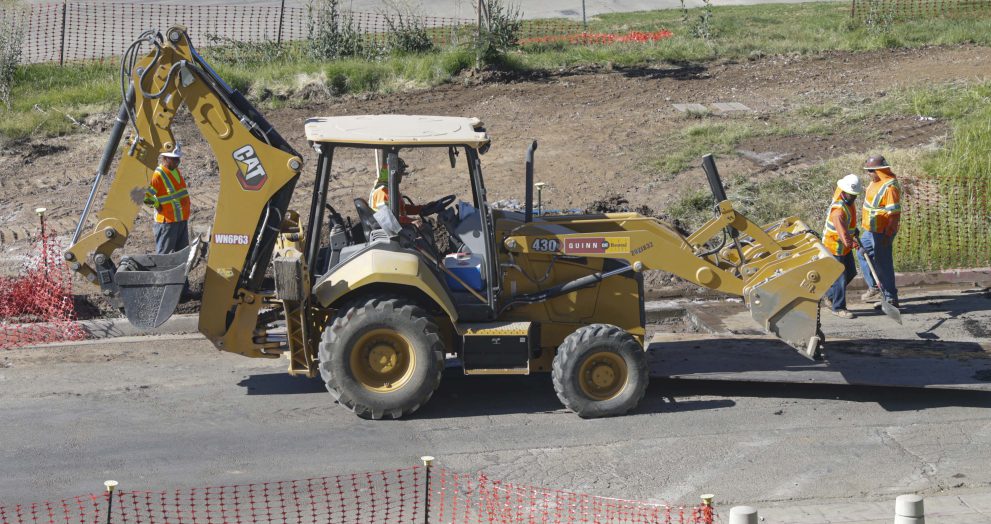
[168, 195]
[380, 191]
[840, 238]
[881, 215]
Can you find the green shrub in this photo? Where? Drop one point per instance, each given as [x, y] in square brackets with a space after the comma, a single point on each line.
[333, 33]
[501, 30]
[407, 34]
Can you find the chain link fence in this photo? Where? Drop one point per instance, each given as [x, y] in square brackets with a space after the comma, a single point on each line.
[78, 30]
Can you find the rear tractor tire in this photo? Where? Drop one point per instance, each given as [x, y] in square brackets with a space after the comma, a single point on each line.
[381, 357]
[600, 371]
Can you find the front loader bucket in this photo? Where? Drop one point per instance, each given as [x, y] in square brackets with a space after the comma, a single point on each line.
[785, 288]
[150, 285]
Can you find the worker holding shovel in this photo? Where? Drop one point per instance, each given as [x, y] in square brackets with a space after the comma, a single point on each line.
[882, 213]
[840, 239]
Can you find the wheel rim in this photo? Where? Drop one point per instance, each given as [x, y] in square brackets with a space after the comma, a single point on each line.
[382, 360]
[603, 376]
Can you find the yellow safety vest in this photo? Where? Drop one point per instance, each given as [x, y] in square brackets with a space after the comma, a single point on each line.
[830, 237]
[876, 215]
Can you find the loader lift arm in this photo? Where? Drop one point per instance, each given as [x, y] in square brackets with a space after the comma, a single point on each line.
[781, 270]
[258, 170]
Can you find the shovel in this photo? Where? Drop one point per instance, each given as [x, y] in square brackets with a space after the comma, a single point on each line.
[888, 309]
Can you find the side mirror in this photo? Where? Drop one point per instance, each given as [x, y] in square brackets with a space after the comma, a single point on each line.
[452, 154]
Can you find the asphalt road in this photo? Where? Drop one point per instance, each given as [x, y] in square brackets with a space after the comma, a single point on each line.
[173, 413]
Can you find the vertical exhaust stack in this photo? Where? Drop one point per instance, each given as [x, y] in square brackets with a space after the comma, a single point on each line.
[529, 182]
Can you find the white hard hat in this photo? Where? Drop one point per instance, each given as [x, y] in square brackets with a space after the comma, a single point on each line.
[850, 184]
[175, 153]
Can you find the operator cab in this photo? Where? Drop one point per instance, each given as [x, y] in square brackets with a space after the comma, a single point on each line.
[466, 266]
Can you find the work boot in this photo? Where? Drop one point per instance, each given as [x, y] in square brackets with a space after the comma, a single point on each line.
[872, 295]
[843, 313]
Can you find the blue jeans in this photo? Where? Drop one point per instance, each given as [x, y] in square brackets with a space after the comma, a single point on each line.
[170, 236]
[837, 292]
[879, 247]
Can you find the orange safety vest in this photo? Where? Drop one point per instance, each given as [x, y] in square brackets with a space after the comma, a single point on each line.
[173, 199]
[831, 237]
[882, 203]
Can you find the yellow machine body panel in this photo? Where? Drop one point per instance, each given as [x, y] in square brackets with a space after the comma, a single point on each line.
[386, 265]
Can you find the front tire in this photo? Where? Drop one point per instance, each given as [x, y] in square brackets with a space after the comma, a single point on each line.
[381, 357]
[600, 371]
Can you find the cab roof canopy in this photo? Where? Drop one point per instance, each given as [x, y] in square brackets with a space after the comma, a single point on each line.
[397, 131]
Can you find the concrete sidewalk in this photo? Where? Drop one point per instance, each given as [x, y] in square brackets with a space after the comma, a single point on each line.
[970, 508]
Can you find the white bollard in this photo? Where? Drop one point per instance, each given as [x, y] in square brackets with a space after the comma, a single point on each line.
[909, 510]
[743, 515]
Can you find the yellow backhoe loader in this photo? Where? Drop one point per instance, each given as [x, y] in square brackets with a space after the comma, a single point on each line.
[374, 307]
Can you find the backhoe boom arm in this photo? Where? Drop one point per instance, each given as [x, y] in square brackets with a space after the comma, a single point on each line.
[257, 170]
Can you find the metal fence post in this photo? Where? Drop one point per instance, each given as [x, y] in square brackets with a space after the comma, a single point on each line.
[707, 513]
[111, 485]
[584, 20]
[44, 238]
[428, 461]
[61, 47]
[282, 16]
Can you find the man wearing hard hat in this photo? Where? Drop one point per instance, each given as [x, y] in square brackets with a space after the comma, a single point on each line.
[840, 238]
[882, 215]
[379, 195]
[167, 194]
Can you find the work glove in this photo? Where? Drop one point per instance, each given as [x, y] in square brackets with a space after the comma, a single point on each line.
[151, 200]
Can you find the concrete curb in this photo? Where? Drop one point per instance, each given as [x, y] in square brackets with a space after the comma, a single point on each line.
[120, 327]
[980, 277]
[959, 508]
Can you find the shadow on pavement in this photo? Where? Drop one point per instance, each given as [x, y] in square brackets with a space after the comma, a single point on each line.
[281, 384]
[865, 362]
[889, 398]
[461, 395]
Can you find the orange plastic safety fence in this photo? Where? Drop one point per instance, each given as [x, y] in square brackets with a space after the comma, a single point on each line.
[411, 495]
[36, 305]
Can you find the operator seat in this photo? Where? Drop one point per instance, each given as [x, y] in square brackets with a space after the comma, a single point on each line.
[366, 216]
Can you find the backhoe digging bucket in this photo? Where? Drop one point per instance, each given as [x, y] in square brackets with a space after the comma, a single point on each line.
[783, 288]
[150, 285]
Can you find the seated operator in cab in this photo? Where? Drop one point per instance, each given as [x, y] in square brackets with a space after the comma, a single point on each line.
[380, 191]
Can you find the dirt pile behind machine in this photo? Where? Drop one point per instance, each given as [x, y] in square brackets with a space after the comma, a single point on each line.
[373, 305]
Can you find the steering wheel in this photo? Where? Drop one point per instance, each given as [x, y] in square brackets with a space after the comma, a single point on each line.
[437, 205]
[366, 216]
